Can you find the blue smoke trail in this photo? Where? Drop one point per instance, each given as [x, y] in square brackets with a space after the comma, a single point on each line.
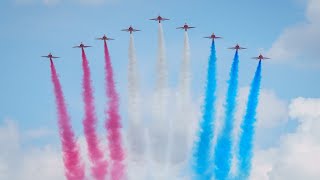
[202, 148]
[222, 156]
[247, 127]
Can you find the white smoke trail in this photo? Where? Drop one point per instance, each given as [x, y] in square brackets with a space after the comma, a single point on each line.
[162, 72]
[160, 125]
[136, 130]
[180, 145]
[182, 135]
[185, 69]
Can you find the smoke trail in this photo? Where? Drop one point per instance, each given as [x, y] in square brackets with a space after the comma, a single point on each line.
[99, 165]
[185, 69]
[113, 123]
[179, 145]
[203, 145]
[248, 127]
[159, 127]
[222, 155]
[71, 156]
[136, 130]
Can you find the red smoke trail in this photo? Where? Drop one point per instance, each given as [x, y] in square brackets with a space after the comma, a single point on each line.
[113, 122]
[71, 158]
[99, 169]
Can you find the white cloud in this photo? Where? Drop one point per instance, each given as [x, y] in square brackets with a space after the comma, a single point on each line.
[10, 145]
[26, 164]
[298, 155]
[262, 164]
[300, 43]
[271, 111]
[38, 133]
[302, 108]
[313, 11]
[41, 163]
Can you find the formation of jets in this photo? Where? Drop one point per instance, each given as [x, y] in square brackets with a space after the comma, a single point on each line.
[185, 27]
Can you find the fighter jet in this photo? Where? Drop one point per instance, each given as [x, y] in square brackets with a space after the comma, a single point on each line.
[213, 36]
[159, 18]
[81, 46]
[130, 29]
[105, 38]
[50, 56]
[185, 27]
[260, 57]
[237, 47]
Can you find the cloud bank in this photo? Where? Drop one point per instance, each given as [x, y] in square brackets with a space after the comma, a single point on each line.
[299, 44]
[298, 155]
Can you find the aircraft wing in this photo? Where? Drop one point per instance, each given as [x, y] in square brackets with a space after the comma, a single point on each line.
[236, 48]
[125, 30]
[86, 46]
[180, 27]
[99, 38]
[110, 39]
[76, 47]
[255, 57]
[164, 19]
[55, 57]
[154, 19]
[191, 27]
[136, 30]
[266, 58]
[45, 56]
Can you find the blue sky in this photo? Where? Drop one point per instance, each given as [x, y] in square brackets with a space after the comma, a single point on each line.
[32, 28]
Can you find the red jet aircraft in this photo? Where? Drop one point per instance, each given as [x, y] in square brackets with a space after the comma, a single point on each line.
[237, 47]
[105, 38]
[260, 57]
[81, 46]
[130, 29]
[213, 36]
[50, 56]
[185, 27]
[159, 18]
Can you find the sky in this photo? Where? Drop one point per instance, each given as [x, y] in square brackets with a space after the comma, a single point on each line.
[287, 31]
